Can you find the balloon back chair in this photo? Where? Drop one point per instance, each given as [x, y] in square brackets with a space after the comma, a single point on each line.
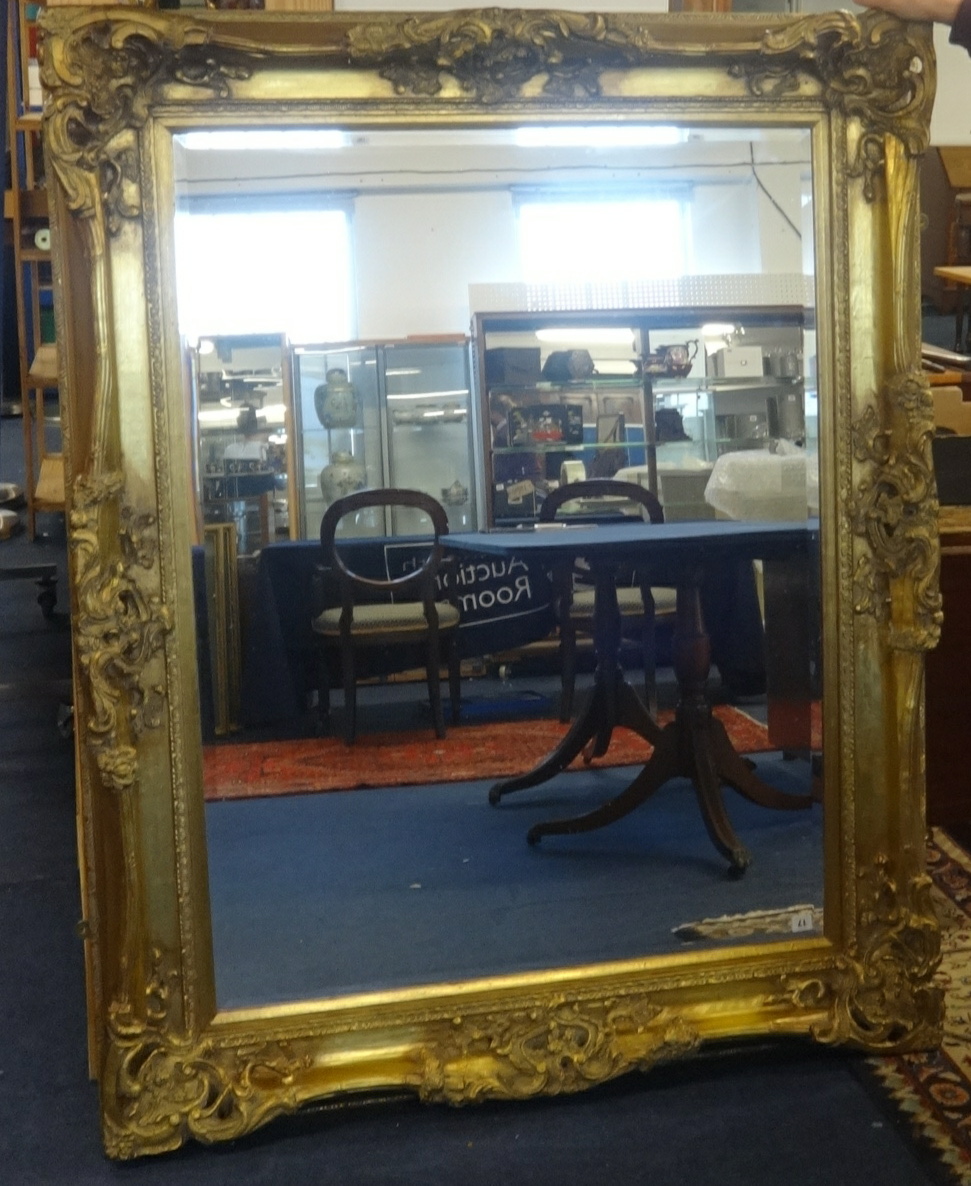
[639, 604]
[376, 613]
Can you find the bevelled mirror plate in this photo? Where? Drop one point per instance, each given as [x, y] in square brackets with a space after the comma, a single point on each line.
[248, 955]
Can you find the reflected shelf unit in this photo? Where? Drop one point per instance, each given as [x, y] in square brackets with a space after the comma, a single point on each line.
[25, 205]
[632, 394]
[244, 449]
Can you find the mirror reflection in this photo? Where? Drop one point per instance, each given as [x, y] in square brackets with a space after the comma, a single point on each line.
[491, 315]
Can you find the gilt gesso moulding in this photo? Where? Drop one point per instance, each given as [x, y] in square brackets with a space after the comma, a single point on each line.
[119, 83]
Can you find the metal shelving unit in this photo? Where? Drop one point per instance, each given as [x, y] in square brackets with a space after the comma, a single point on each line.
[25, 204]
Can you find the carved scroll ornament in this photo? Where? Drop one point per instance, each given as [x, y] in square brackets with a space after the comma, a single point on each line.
[894, 509]
[102, 79]
[168, 1088]
[881, 994]
[870, 68]
[561, 1047]
[119, 628]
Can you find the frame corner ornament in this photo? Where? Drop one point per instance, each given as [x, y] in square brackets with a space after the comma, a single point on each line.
[100, 78]
[881, 995]
[872, 67]
[162, 1088]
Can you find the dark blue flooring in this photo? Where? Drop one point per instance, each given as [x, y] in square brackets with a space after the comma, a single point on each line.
[426, 884]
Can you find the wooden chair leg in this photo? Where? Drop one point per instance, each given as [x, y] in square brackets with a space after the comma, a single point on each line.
[323, 691]
[434, 686]
[649, 652]
[350, 692]
[454, 678]
[568, 669]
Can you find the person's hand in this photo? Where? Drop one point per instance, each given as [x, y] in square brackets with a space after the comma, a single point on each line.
[943, 11]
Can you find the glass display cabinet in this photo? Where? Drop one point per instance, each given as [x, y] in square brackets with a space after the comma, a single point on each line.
[650, 395]
[384, 414]
[242, 405]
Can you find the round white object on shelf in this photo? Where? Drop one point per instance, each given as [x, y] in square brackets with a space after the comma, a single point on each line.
[42, 239]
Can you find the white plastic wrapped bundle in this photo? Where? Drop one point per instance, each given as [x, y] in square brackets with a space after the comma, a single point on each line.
[757, 484]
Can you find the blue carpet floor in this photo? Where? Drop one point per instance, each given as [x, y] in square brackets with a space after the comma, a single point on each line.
[420, 884]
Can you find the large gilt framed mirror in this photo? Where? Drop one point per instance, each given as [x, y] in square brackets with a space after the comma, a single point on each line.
[247, 957]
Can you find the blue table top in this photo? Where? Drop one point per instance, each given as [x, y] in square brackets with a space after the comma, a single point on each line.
[690, 539]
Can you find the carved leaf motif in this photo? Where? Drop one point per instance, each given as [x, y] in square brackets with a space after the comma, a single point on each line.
[895, 510]
[101, 80]
[493, 53]
[556, 1049]
[870, 69]
[882, 996]
[119, 628]
[168, 1089]
[167, 1093]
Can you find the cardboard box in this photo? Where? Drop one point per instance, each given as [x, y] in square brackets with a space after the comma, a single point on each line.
[737, 362]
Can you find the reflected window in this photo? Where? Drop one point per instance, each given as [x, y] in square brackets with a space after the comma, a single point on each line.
[602, 241]
[244, 271]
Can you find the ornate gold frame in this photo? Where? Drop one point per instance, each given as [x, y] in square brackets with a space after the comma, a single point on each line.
[171, 1066]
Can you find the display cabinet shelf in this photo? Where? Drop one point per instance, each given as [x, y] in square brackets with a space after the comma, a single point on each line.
[635, 406]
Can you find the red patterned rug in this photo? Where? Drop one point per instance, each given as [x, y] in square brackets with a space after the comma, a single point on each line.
[249, 770]
[934, 1089]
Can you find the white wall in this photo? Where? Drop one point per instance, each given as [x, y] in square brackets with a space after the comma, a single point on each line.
[415, 256]
[951, 121]
[413, 268]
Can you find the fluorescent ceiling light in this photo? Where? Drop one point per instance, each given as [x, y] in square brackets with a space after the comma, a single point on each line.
[600, 336]
[429, 394]
[598, 136]
[264, 140]
[271, 414]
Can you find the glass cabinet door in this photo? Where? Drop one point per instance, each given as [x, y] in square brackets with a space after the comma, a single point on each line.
[378, 415]
[427, 393]
[339, 432]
